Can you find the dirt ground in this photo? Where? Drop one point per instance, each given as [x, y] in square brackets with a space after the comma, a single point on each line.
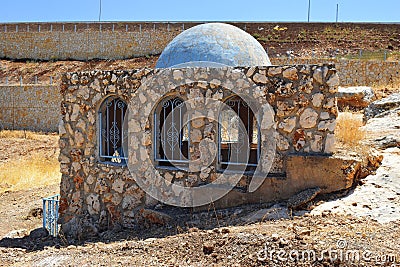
[42, 71]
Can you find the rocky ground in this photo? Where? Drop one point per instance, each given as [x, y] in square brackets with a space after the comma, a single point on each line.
[379, 196]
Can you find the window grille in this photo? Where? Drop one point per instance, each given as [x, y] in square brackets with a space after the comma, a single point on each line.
[113, 135]
[172, 140]
[238, 136]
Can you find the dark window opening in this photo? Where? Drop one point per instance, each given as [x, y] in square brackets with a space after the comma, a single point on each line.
[239, 136]
[113, 132]
[171, 133]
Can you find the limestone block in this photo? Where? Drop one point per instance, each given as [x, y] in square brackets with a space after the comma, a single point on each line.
[288, 124]
[118, 185]
[316, 143]
[317, 99]
[328, 125]
[76, 166]
[333, 82]
[215, 83]
[93, 204]
[282, 143]
[308, 118]
[134, 126]
[198, 122]
[284, 108]
[61, 128]
[90, 117]
[274, 71]
[324, 115]
[330, 143]
[63, 159]
[75, 112]
[74, 78]
[178, 75]
[79, 139]
[130, 202]
[318, 76]
[259, 78]
[168, 177]
[196, 136]
[291, 74]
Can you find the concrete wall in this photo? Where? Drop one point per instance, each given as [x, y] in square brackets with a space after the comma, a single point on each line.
[31, 107]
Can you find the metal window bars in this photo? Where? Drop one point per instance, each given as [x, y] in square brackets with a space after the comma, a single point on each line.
[171, 138]
[50, 214]
[112, 137]
[238, 131]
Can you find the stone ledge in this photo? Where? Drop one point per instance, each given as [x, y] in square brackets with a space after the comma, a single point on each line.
[330, 173]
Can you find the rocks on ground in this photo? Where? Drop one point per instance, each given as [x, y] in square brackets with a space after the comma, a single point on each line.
[377, 198]
[387, 142]
[302, 198]
[355, 97]
[382, 107]
[276, 212]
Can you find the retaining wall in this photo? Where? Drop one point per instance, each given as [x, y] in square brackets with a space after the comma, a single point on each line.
[30, 107]
[82, 41]
[356, 72]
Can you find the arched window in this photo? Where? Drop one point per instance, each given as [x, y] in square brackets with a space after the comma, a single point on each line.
[113, 135]
[238, 136]
[171, 146]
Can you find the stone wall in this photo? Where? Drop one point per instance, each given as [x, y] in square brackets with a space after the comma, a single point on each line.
[82, 41]
[30, 107]
[356, 72]
[42, 100]
[297, 109]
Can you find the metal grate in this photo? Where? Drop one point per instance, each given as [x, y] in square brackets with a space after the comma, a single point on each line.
[172, 140]
[239, 135]
[113, 136]
[50, 214]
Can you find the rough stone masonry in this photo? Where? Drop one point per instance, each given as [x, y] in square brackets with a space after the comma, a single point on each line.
[96, 196]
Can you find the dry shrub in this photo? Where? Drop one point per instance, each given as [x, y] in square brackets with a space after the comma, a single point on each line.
[34, 172]
[348, 131]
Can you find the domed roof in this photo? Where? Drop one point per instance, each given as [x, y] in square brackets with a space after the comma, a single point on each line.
[213, 45]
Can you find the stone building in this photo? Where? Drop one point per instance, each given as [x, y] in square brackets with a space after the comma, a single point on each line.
[214, 122]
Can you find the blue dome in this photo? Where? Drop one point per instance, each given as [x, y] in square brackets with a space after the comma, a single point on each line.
[213, 45]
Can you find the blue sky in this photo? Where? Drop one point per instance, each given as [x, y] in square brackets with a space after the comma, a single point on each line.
[202, 10]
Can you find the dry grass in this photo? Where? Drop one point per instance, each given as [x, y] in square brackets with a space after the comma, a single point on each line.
[20, 134]
[29, 173]
[28, 160]
[348, 131]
